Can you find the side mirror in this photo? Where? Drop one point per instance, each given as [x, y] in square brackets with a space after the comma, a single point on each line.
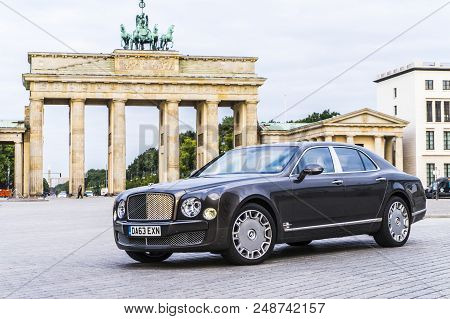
[310, 169]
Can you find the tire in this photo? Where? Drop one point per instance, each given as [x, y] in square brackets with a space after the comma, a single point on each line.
[396, 225]
[149, 257]
[252, 235]
[300, 243]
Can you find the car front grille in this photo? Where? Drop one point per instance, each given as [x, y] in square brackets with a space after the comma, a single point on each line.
[178, 240]
[153, 206]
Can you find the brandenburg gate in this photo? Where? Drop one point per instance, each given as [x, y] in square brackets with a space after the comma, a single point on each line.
[162, 79]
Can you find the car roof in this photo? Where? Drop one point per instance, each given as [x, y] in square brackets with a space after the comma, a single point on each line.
[302, 144]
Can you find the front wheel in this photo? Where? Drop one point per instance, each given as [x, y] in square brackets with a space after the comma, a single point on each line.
[251, 237]
[395, 227]
[148, 257]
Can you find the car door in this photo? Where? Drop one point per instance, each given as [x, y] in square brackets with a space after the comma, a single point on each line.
[316, 200]
[365, 186]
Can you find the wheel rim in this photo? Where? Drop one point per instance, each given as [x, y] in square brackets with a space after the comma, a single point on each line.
[252, 234]
[398, 221]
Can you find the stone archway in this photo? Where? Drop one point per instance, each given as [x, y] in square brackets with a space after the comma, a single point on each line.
[125, 78]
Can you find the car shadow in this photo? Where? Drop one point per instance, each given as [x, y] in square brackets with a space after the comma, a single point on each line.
[281, 252]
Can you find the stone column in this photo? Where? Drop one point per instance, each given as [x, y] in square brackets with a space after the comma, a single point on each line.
[245, 123]
[117, 147]
[76, 147]
[26, 155]
[18, 169]
[169, 153]
[36, 147]
[328, 137]
[388, 149]
[351, 139]
[379, 145]
[207, 132]
[399, 152]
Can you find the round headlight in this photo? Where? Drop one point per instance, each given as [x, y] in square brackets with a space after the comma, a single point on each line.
[191, 207]
[210, 214]
[121, 209]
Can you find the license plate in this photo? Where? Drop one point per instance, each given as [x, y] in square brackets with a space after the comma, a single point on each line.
[144, 231]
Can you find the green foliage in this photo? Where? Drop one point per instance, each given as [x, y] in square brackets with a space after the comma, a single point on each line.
[62, 187]
[6, 160]
[46, 187]
[226, 134]
[316, 117]
[188, 153]
[143, 170]
[96, 180]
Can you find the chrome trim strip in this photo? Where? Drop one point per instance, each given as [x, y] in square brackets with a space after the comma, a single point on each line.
[357, 222]
[419, 212]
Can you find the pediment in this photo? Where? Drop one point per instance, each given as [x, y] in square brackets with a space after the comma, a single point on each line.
[366, 116]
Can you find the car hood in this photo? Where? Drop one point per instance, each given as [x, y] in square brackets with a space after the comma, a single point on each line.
[196, 183]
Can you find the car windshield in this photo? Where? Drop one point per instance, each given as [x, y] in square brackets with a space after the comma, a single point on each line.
[256, 160]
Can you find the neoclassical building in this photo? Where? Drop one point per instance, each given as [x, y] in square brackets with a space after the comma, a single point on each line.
[164, 79]
[379, 132]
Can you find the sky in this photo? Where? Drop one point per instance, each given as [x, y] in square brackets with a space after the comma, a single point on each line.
[300, 45]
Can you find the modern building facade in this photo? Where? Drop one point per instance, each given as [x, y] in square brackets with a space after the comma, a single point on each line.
[379, 132]
[420, 93]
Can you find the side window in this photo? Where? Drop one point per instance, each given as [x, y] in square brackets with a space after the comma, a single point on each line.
[320, 156]
[350, 159]
[368, 164]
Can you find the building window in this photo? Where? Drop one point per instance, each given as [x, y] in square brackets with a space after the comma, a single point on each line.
[447, 140]
[395, 93]
[447, 170]
[429, 111]
[446, 85]
[428, 84]
[438, 111]
[201, 139]
[430, 173]
[395, 110]
[430, 140]
[447, 111]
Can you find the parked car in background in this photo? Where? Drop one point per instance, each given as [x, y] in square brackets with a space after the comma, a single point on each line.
[248, 200]
[442, 185]
[104, 192]
[89, 194]
[62, 194]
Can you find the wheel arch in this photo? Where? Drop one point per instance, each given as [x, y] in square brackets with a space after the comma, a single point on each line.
[267, 204]
[402, 194]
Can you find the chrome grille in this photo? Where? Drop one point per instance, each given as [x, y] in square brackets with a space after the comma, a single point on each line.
[151, 207]
[178, 240]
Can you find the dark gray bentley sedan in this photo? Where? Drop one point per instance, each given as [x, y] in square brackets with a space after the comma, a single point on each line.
[248, 200]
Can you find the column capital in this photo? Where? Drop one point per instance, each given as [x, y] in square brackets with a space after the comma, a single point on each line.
[213, 102]
[252, 101]
[37, 99]
[173, 101]
[399, 136]
[119, 100]
[78, 100]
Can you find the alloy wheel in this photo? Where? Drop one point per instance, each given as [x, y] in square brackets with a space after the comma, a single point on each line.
[398, 221]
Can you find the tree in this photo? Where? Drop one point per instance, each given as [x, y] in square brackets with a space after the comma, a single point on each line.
[316, 117]
[95, 180]
[188, 153]
[62, 188]
[144, 169]
[46, 187]
[226, 134]
[6, 163]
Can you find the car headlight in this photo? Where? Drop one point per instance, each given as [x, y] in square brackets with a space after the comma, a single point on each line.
[121, 209]
[191, 207]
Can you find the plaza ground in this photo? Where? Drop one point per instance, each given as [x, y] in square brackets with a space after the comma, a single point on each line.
[64, 248]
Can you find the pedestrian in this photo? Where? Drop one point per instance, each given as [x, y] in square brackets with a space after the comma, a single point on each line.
[80, 192]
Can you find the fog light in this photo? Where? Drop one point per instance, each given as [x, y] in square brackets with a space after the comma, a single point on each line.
[209, 214]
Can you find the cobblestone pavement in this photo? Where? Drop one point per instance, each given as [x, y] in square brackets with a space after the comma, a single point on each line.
[64, 249]
[438, 208]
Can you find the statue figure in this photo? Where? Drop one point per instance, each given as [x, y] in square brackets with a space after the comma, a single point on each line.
[155, 39]
[142, 35]
[126, 38]
[167, 38]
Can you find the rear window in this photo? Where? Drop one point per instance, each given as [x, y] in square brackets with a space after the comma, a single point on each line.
[350, 160]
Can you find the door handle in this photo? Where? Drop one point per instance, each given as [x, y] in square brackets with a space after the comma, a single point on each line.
[338, 182]
[381, 179]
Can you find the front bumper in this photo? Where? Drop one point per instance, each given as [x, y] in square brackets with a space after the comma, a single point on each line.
[176, 236]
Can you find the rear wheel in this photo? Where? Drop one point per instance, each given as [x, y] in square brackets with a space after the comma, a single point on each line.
[300, 243]
[395, 227]
[149, 257]
[251, 237]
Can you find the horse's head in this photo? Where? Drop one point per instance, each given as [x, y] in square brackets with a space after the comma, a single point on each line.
[122, 28]
[172, 28]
